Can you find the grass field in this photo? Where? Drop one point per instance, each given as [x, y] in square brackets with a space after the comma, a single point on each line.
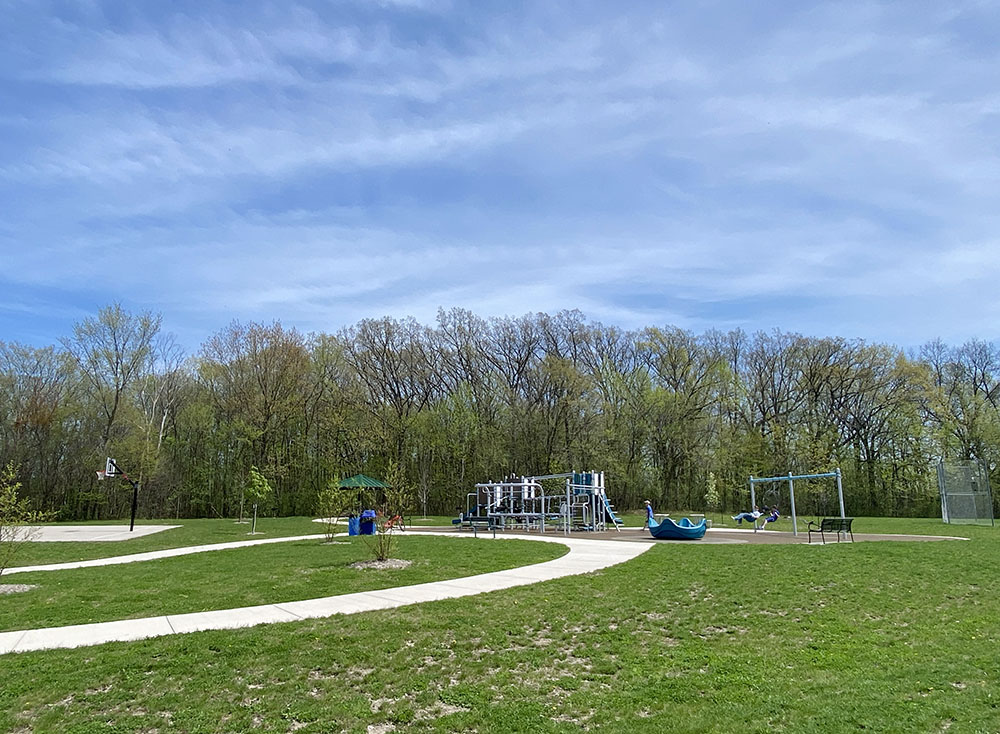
[886, 637]
[265, 574]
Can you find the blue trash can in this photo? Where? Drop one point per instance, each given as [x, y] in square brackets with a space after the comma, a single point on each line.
[368, 522]
[353, 526]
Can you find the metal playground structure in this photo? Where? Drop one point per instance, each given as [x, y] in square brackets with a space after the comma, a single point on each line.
[581, 503]
[790, 478]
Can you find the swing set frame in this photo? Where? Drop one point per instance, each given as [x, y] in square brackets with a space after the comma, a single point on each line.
[790, 478]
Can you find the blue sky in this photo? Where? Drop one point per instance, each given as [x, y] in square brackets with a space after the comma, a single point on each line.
[830, 169]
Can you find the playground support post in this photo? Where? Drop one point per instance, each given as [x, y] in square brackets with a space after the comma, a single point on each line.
[840, 494]
[566, 515]
[791, 493]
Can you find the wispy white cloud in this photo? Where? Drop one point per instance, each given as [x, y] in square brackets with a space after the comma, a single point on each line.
[143, 149]
[321, 163]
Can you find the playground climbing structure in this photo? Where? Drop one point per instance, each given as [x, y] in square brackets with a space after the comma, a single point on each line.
[539, 503]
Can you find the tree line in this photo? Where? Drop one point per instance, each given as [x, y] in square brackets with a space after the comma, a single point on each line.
[680, 418]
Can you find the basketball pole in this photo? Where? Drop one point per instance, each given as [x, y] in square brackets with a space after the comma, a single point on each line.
[135, 492]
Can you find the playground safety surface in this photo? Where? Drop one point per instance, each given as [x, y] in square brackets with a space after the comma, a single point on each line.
[722, 536]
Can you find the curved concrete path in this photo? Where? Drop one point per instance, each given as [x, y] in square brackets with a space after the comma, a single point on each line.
[584, 556]
[153, 555]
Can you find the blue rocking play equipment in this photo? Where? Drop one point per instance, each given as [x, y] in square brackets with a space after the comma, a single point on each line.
[682, 530]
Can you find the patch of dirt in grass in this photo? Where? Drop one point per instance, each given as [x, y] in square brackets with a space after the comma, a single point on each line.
[582, 720]
[533, 676]
[318, 674]
[656, 616]
[541, 637]
[658, 637]
[429, 661]
[697, 592]
[392, 563]
[710, 631]
[380, 728]
[16, 588]
[439, 710]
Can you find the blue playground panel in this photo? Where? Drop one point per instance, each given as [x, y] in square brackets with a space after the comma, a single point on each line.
[683, 530]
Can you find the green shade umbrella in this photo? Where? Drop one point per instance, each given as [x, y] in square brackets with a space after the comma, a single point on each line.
[360, 480]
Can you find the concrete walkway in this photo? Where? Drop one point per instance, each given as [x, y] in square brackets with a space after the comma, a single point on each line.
[153, 555]
[584, 556]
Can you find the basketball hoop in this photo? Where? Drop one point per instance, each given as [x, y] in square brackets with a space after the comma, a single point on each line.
[112, 470]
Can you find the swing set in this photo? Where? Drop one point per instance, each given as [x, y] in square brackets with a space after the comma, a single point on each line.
[790, 478]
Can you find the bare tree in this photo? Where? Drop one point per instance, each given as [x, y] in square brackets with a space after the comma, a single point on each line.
[112, 351]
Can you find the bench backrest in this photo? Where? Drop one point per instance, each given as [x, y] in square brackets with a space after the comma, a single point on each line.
[837, 524]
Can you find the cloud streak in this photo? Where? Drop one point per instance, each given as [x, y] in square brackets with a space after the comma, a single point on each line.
[825, 168]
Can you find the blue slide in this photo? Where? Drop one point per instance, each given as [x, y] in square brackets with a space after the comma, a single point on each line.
[683, 530]
[611, 511]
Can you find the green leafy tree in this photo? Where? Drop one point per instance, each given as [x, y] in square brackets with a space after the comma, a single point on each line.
[712, 499]
[258, 489]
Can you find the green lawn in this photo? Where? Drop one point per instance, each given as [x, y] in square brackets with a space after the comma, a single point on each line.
[246, 577]
[885, 637]
[430, 520]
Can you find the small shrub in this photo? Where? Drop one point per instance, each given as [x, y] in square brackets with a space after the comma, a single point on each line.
[334, 504]
[392, 502]
[15, 517]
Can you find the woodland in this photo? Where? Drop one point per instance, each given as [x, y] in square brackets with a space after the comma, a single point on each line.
[677, 417]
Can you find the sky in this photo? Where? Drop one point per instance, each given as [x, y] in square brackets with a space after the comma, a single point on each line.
[829, 169]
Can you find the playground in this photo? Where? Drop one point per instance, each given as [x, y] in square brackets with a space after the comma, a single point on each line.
[564, 502]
